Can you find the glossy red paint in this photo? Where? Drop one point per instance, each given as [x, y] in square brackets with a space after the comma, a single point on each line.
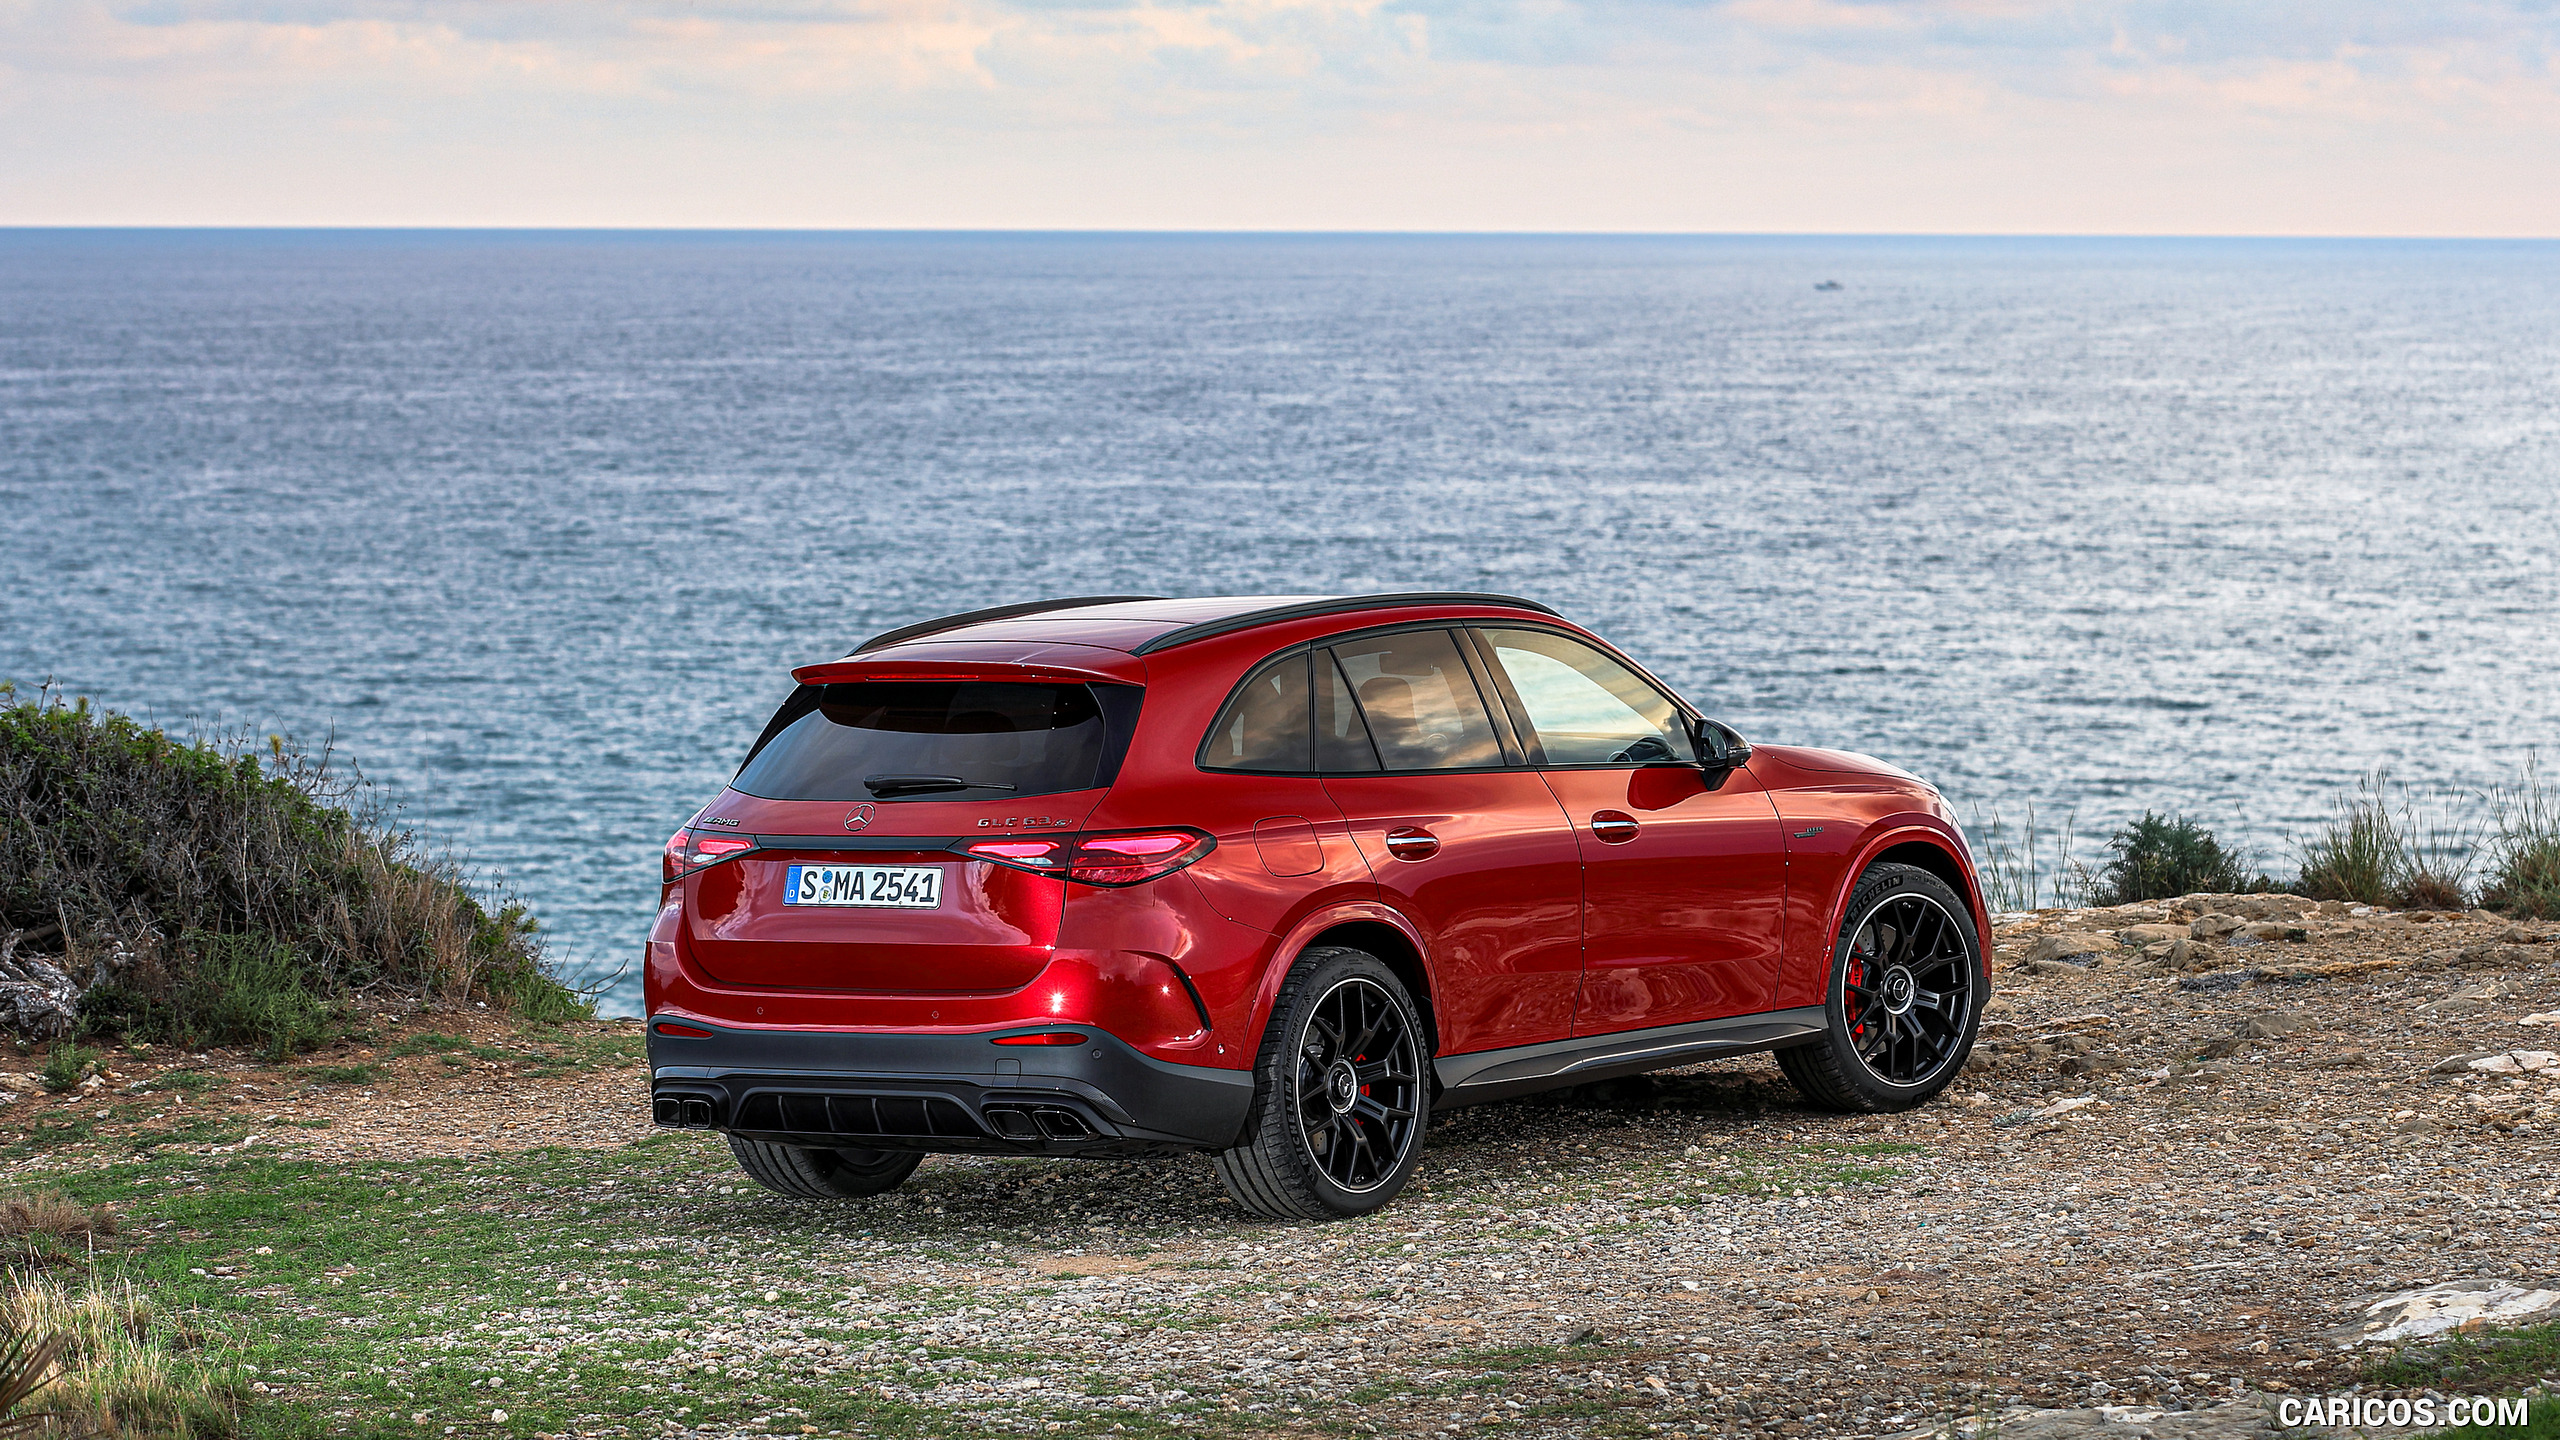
[1684, 893]
[1524, 920]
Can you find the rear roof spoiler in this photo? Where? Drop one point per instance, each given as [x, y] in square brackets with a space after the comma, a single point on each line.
[1305, 609]
[918, 631]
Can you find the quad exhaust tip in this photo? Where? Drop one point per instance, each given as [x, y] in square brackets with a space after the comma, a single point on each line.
[691, 1112]
[1038, 1122]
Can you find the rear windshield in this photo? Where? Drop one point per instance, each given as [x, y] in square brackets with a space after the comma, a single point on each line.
[939, 740]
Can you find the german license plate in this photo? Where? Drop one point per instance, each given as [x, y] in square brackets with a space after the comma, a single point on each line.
[884, 887]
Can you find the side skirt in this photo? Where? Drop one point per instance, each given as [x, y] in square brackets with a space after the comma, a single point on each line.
[1525, 1069]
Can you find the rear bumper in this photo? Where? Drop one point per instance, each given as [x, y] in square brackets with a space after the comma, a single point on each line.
[950, 1093]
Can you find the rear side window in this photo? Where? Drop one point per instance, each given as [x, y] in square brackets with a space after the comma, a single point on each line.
[1420, 702]
[997, 739]
[1264, 727]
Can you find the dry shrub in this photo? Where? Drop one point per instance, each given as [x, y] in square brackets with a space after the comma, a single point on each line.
[50, 1212]
[125, 1366]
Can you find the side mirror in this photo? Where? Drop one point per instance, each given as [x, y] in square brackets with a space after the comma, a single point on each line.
[1718, 748]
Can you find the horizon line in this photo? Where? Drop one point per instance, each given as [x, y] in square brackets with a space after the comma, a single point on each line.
[1238, 232]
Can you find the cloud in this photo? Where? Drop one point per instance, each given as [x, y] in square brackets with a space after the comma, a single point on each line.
[114, 109]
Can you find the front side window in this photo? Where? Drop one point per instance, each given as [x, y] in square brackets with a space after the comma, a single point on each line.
[1586, 708]
[929, 740]
[1264, 727]
[1419, 702]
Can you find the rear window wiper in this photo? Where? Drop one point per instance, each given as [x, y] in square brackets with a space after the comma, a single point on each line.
[886, 786]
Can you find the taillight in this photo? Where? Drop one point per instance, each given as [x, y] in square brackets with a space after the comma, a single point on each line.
[687, 852]
[1135, 857]
[1040, 857]
[1130, 857]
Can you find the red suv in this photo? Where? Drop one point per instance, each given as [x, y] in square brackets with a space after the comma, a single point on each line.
[1274, 878]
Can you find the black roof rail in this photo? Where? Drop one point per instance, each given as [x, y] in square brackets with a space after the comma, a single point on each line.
[918, 631]
[1305, 608]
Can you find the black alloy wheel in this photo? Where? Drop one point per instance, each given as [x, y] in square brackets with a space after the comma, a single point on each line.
[1908, 989]
[1905, 999]
[1341, 1095]
[1356, 1082]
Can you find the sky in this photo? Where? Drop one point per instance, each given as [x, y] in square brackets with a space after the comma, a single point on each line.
[2220, 117]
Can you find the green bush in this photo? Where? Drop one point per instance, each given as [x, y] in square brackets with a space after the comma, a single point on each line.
[68, 1065]
[220, 892]
[2524, 861]
[2160, 858]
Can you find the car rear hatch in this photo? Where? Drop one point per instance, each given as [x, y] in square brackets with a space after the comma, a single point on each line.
[835, 861]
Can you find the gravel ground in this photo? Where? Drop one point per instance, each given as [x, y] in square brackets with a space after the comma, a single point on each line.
[2171, 1167]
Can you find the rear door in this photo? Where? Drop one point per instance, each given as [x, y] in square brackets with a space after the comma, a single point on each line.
[855, 797]
[1684, 874]
[1461, 837]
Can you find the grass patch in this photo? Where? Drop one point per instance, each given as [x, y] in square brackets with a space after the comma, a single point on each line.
[2491, 1362]
[576, 1291]
[189, 1083]
[344, 1074]
[2413, 856]
[2524, 860]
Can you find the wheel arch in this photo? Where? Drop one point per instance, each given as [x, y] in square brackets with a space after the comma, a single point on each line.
[1921, 847]
[1377, 929]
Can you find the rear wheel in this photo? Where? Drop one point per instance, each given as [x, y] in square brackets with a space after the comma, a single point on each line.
[1340, 1096]
[807, 1174]
[1906, 993]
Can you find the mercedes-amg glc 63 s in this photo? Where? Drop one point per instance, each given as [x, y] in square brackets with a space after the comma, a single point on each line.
[1274, 879]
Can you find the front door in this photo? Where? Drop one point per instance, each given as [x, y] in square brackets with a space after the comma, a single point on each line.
[1684, 872]
[1460, 836]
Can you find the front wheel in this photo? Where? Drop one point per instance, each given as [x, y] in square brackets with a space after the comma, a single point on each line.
[806, 1174]
[1906, 993]
[1340, 1095]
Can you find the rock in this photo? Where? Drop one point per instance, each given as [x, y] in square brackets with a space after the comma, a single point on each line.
[2266, 930]
[2498, 957]
[2216, 927]
[2470, 998]
[2516, 1062]
[2215, 983]
[2434, 1309]
[37, 1000]
[2230, 1420]
[2140, 935]
[2064, 1107]
[2277, 1024]
[2068, 946]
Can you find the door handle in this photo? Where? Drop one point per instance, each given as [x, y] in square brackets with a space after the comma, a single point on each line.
[1613, 827]
[1407, 843]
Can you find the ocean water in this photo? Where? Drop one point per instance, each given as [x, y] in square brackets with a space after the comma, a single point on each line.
[534, 524]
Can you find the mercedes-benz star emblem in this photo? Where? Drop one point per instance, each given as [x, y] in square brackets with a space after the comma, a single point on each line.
[857, 817]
